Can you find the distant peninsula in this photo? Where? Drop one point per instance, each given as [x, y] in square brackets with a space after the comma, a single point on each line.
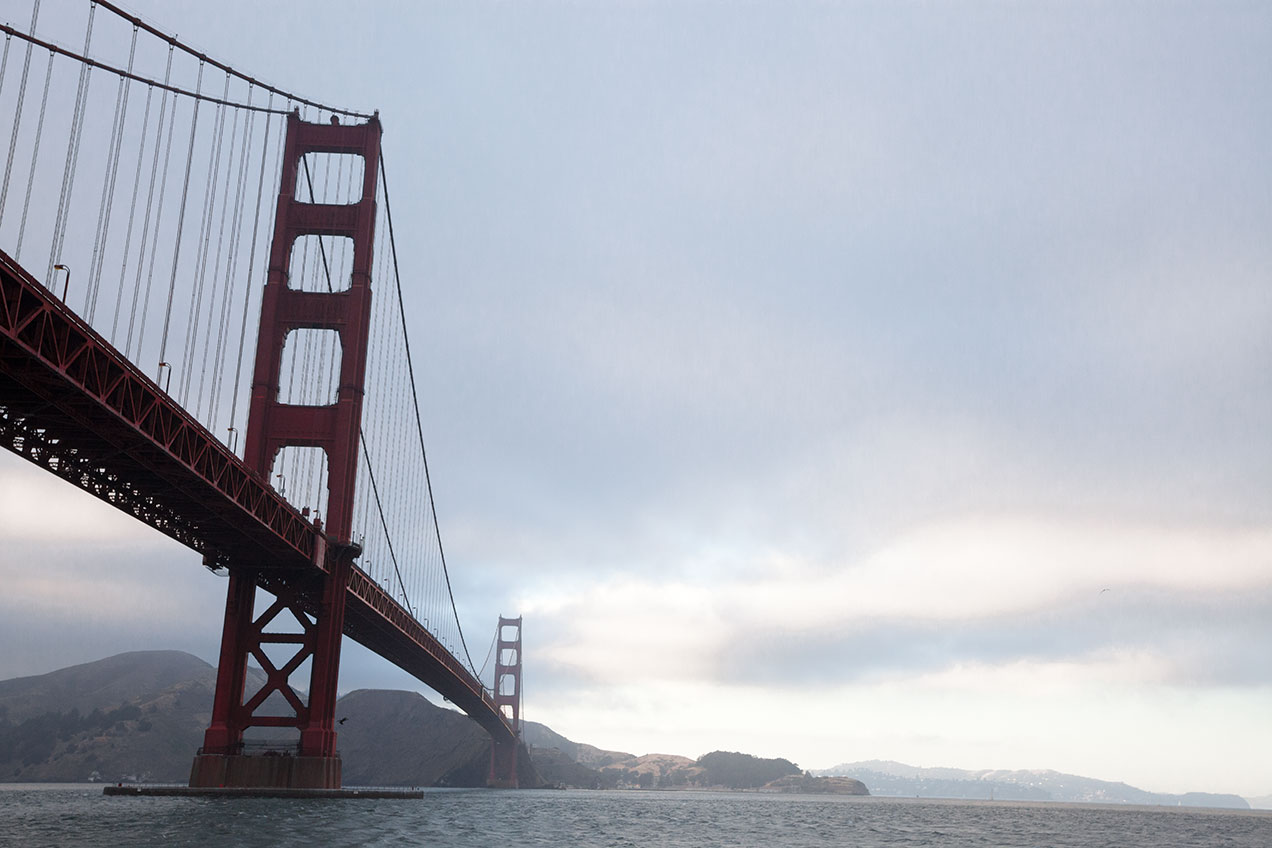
[895, 779]
[565, 763]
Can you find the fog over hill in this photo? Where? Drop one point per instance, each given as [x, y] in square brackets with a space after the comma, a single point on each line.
[885, 777]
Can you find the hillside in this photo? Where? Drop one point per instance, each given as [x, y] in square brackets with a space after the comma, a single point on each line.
[395, 738]
[742, 771]
[898, 779]
[541, 736]
[141, 716]
[103, 684]
[564, 762]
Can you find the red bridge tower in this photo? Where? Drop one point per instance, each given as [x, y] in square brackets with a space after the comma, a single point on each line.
[318, 606]
[507, 692]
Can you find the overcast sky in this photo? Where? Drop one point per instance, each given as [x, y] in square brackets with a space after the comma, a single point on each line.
[804, 373]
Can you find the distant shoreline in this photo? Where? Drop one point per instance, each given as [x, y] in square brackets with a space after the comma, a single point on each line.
[6, 786]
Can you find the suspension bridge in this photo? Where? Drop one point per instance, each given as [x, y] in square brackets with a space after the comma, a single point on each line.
[155, 203]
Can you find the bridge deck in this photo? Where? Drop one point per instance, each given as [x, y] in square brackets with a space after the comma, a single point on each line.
[72, 404]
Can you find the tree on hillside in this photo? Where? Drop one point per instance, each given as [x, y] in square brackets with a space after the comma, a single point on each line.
[743, 771]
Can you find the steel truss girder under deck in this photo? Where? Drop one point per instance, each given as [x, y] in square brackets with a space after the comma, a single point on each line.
[72, 404]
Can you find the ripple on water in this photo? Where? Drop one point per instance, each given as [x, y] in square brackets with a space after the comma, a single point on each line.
[81, 816]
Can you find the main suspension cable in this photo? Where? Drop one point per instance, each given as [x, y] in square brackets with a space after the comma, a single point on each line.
[202, 57]
[129, 75]
[489, 653]
[388, 209]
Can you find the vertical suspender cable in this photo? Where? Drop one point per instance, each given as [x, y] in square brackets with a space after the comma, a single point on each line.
[205, 236]
[17, 117]
[406, 600]
[35, 155]
[4, 62]
[361, 437]
[236, 233]
[163, 187]
[419, 426]
[380, 419]
[72, 151]
[176, 249]
[216, 264]
[132, 211]
[314, 349]
[108, 184]
[251, 263]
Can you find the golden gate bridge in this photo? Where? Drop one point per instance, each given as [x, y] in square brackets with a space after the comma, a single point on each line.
[155, 203]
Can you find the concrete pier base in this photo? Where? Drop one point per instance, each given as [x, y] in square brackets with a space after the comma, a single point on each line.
[254, 792]
[264, 771]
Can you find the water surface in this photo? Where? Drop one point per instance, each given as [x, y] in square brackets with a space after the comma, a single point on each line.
[81, 816]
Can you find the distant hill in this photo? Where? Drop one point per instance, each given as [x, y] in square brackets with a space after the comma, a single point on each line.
[395, 738]
[898, 779]
[541, 736]
[743, 771]
[104, 684]
[141, 716]
[564, 762]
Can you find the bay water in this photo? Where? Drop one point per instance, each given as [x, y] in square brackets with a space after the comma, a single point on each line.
[79, 815]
